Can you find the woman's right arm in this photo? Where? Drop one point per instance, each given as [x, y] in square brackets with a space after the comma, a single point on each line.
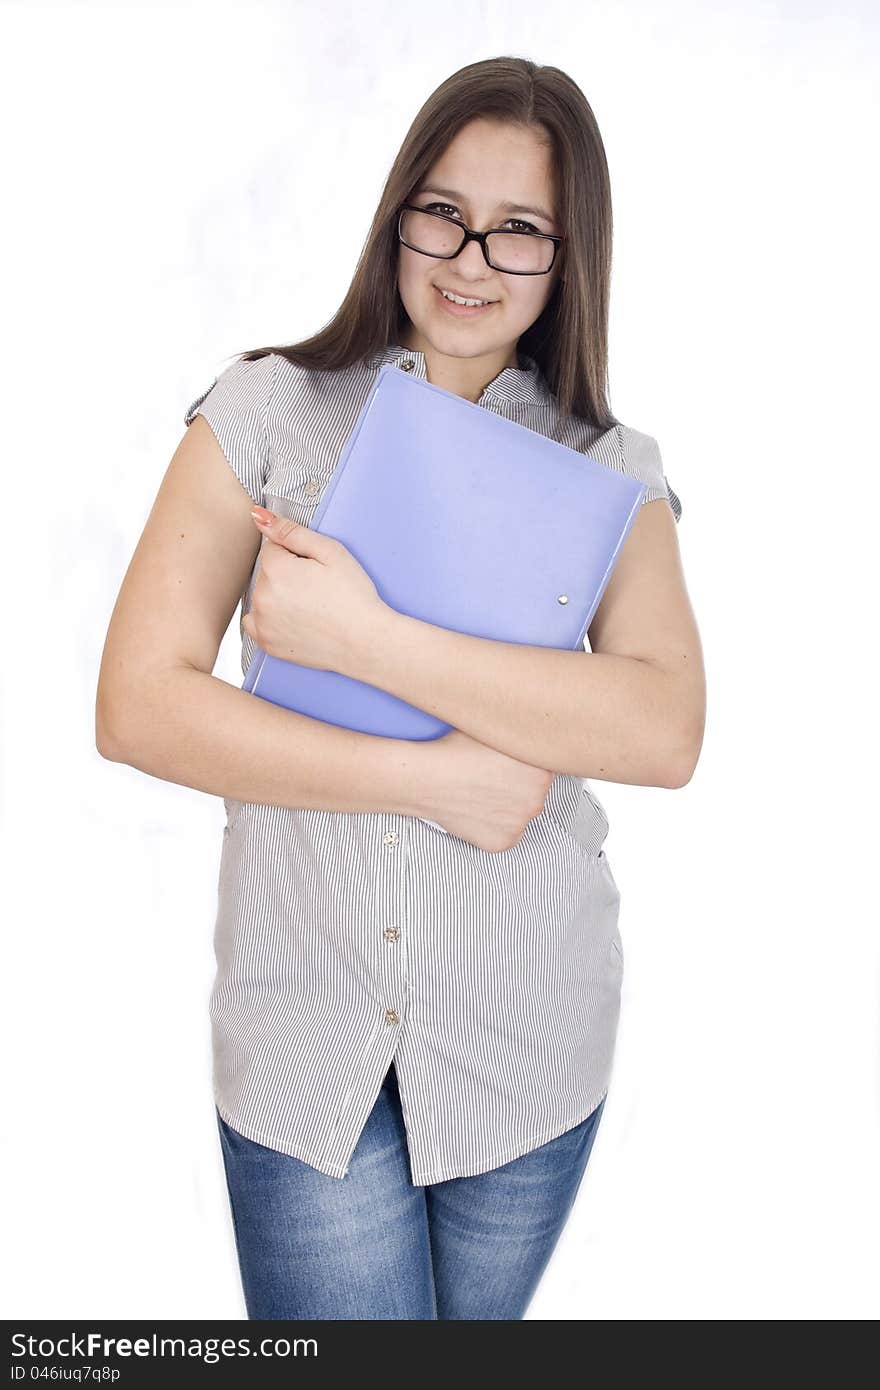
[161, 710]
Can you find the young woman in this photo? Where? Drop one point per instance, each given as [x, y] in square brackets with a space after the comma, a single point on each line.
[413, 1031]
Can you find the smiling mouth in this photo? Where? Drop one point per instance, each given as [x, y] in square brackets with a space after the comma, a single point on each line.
[441, 288]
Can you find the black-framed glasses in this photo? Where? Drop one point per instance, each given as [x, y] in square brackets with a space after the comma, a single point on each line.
[513, 253]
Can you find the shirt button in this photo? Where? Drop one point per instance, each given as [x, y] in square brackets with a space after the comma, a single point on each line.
[408, 365]
[392, 933]
[391, 1016]
[390, 837]
[312, 487]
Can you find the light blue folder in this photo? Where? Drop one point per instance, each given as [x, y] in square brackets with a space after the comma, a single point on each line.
[464, 519]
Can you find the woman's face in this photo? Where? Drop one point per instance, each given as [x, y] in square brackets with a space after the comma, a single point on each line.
[493, 174]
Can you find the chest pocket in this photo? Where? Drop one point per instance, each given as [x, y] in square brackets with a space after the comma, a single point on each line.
[298, 476]
[297, 495]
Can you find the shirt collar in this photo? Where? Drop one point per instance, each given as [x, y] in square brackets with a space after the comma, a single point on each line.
[524, 383]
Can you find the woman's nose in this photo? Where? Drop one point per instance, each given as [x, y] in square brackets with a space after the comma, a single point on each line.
[471, 257]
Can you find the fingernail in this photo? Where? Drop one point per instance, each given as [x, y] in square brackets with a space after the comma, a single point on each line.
[261, 516]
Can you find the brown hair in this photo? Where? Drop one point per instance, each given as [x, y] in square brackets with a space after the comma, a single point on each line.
[569, 339]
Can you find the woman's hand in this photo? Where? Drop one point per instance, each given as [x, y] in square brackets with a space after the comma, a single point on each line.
[478, 793]
[312, 603]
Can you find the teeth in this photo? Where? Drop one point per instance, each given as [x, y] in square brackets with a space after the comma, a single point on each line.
[457, 299]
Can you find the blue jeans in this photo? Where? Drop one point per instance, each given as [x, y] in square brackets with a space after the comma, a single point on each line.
[374, 1245]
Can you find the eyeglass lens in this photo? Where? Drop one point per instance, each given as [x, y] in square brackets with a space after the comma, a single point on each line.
[507, 250]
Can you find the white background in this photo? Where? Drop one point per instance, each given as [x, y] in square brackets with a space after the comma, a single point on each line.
[186, 181]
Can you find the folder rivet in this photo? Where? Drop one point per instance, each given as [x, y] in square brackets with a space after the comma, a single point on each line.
[562, 598]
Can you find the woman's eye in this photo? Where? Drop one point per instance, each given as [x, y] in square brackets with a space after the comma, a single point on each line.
[448, 208]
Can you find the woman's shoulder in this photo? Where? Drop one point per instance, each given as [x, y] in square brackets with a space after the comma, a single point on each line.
[243, 387]
[269, 387]
[300, 387]
[641, 458]
[625, 449]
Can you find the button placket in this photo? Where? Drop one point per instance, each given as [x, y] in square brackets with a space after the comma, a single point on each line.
[390, 906]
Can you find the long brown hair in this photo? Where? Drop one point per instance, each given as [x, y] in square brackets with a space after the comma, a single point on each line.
[569, 340]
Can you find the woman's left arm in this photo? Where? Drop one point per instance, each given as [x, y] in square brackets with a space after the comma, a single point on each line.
[631, 710]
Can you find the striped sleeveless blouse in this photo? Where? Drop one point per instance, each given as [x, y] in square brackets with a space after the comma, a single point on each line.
[345, 942]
